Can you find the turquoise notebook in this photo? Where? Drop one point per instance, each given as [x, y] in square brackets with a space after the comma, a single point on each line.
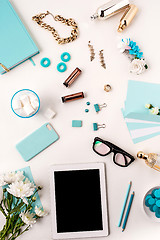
[16, 45]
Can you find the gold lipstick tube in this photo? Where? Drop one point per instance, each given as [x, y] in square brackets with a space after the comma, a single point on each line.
[73, 97]
[72, 77]
[127, 17]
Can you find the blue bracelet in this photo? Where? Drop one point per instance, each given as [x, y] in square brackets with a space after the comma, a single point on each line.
[61, 67]
[45, 62]
[65, 57]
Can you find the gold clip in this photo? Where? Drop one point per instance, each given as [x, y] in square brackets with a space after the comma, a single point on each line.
[4, 67]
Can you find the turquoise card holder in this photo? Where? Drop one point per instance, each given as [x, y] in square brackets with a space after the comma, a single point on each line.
[37, 142]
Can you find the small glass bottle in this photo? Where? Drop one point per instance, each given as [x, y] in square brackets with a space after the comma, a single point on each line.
[151, 159]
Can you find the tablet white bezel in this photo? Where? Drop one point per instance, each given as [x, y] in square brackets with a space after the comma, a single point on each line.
[85, 234]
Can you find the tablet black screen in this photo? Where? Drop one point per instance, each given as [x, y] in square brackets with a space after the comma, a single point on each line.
[78, 200]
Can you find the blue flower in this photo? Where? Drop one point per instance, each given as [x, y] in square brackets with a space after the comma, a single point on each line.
[135, 50]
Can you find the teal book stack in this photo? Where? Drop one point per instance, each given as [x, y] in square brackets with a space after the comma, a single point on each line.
[16, 45]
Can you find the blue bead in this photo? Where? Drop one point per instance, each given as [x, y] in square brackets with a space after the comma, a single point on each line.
[88, 103]
[148, 196]
[65, 59]
[86, 110]
[158, 203]
[45, 62]
[151, 201]
[61, 67]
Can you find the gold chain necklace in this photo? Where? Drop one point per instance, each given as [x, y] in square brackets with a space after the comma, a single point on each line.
[69, 22]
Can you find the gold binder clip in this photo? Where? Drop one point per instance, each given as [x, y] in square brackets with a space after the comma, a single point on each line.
[4, 67]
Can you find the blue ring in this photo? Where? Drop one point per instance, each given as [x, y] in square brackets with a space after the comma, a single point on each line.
[63, 57]
[37, 98]
[45, 64]
[61, 64]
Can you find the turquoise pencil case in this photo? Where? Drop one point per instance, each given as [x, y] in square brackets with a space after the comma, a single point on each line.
[36, 142]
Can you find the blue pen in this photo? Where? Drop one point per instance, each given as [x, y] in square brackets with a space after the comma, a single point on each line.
[128, 211]
[124, 205]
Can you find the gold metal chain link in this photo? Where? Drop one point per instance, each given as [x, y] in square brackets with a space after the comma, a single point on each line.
[69, 22]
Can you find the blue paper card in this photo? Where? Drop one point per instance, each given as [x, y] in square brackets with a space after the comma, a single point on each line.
[140, 123]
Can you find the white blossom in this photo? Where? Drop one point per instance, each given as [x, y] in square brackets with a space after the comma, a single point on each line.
[148, 105]
[28, 218]
[12, 177]
[2, 182]
[154, 111]
[21, 189]
[124, 45]
[138, 66]
[40, 212]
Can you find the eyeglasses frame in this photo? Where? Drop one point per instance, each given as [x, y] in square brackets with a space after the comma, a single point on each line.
[115, 150]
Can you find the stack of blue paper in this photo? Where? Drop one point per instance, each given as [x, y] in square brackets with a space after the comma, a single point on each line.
[141, 124]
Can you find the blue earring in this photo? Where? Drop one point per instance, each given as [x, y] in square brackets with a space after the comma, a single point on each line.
[61, 67]
[65, 57]
[45, 62]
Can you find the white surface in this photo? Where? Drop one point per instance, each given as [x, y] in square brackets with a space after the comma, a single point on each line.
[104, 205]
[75, 144]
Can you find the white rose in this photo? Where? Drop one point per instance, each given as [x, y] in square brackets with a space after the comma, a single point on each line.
[137, 66]
[27, 218]
[154, 111]
[40, 212]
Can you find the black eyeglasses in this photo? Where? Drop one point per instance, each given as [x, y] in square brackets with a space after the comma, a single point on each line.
[120, 157]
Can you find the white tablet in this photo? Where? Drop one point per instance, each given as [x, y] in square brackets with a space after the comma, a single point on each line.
[78, 201]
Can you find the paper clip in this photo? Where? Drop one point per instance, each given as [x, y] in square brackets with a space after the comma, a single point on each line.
[96, 126]
[99, 107]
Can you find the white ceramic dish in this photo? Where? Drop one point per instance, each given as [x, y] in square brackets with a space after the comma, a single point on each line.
[147, 211]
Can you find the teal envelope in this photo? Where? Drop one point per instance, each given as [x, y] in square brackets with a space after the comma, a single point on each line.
[139, 94]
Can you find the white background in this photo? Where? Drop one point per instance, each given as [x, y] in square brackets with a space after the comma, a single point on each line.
[75, 144]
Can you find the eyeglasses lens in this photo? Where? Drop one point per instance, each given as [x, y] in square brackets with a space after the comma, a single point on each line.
[101, 148]
[120, 159]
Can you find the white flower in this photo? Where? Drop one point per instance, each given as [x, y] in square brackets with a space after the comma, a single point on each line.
[11, 177]
[19, 176]
[148, 105]
[154, 111]
[28, 218]
[2, 182]
[21, 189]
[137, 66]
[40, 212]
[124, 45]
